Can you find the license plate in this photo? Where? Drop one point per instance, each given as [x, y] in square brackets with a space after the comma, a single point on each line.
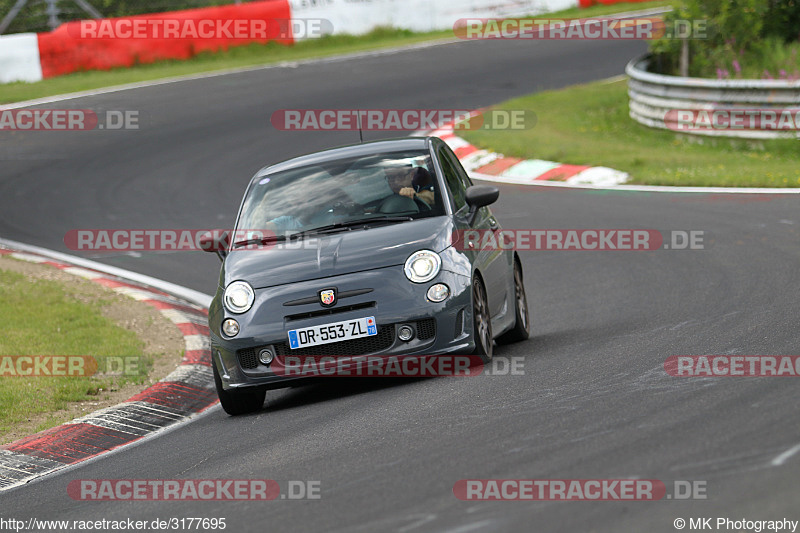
[336, 332]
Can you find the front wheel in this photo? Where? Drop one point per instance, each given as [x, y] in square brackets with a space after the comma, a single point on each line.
[482, 323]
[522, 328]
[238, 403]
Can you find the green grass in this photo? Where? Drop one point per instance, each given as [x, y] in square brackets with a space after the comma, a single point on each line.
[43, 318]
[257, 55]
[589, 125]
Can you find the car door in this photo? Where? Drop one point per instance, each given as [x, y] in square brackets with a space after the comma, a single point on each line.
[492, 262]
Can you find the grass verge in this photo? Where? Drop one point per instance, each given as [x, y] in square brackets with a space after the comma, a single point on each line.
[589, 125]
[257, 55]
[46, 313]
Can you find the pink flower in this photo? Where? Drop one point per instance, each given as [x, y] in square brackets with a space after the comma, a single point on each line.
[766, 75]
[783, 74]
[736, 66]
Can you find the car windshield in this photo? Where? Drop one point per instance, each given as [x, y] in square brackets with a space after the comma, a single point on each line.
[343, 194]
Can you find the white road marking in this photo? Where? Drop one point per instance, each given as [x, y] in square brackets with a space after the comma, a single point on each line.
[82, 272]
[184, 293]
[225, 72]
[782, 458]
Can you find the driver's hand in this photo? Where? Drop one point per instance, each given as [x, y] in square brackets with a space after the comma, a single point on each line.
[407, 191]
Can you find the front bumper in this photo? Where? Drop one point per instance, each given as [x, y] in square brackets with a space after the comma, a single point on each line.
[391, 299]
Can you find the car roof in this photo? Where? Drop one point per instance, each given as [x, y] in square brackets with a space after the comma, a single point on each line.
[353, 150]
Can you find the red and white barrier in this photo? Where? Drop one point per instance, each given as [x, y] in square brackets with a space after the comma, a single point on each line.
[32, 57]
[19, 58]
[353, 17]
[63, 51]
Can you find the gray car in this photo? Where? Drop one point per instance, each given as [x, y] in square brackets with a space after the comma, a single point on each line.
[360, 251]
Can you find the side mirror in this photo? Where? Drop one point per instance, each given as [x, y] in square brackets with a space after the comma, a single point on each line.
[479, 196]
[217, 243]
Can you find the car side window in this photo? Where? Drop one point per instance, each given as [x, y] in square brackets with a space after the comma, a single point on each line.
[454, 181]
[460, 172]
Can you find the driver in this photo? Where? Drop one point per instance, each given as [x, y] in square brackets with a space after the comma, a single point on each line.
[411, 182]
[422, 183]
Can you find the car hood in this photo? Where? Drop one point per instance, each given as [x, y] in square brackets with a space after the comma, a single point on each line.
[322, 256]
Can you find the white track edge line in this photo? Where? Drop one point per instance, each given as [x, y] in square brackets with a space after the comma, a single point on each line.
[280, 64]
[185, 293]
[35, 478]
[641, 188]
[225, 72]
[783, 457]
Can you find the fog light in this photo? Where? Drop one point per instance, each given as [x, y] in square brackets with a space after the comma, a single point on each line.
[230, 327]
[266, 356]
[438, 292]
[405, 333]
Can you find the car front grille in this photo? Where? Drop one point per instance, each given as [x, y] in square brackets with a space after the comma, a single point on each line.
[426, 329]
[330, 311]
[365, 345]
[459, 323]
[247, 357]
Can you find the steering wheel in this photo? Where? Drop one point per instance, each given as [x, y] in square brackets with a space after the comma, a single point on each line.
[396, 204]
[423, 206]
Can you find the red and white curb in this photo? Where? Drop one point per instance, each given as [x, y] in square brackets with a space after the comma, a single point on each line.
[186, 392]
[491, 166]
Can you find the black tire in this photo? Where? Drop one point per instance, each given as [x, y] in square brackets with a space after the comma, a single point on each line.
[522, 327]
[238, 403]
[481, 322]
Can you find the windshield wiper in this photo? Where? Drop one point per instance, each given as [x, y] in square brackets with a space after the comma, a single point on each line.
[347, 225]
[330, 228]
[260, 240]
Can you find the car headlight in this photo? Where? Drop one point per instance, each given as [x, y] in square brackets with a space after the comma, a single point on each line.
[422, 266]
[239, 297]
[230, 327]
[437, 293]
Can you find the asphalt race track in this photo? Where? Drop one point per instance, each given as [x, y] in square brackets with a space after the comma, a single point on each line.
[594, 401]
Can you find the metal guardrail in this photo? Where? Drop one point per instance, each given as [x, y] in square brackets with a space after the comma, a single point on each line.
[52, 11]
[654, 100]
